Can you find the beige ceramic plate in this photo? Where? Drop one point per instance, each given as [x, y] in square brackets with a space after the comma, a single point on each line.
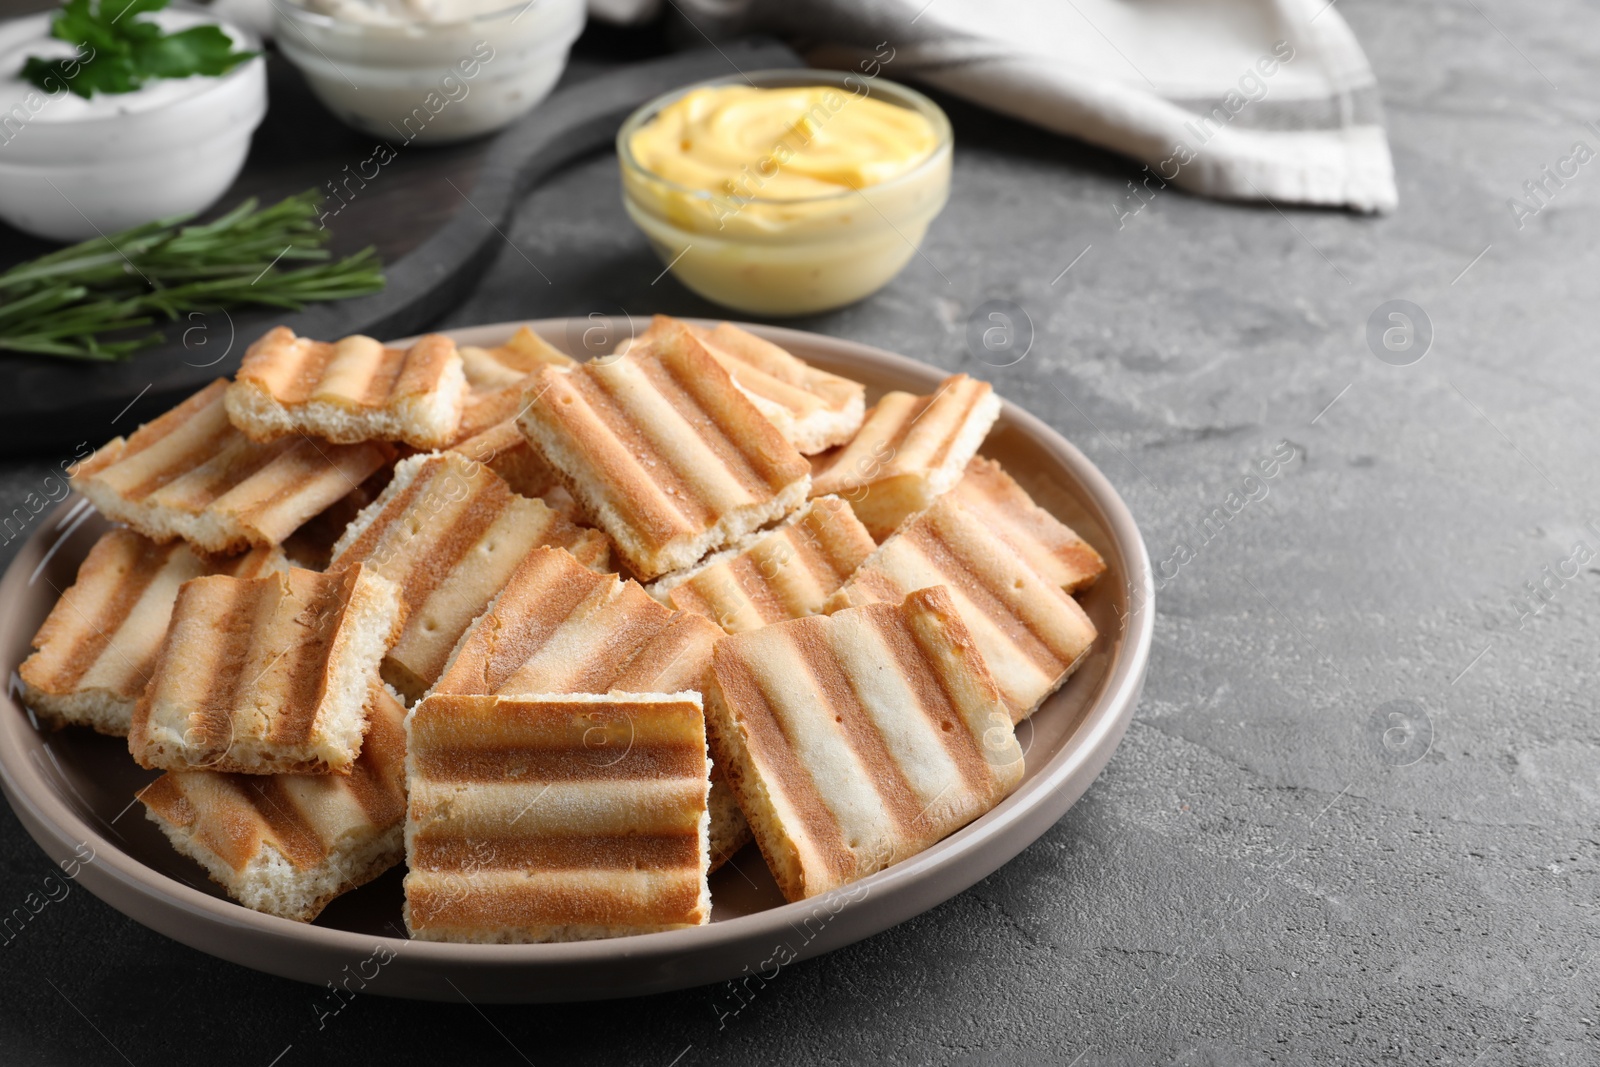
[73, 789]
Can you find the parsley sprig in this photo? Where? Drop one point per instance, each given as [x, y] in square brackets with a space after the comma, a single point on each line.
[119, 52]
[62, 304]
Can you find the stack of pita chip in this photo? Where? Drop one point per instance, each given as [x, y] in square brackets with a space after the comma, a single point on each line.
[823, 623]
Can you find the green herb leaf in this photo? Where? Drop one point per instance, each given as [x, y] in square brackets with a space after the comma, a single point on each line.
[198, 50]
[118, 52]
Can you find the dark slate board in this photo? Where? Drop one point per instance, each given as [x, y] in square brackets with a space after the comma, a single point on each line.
[436, 241]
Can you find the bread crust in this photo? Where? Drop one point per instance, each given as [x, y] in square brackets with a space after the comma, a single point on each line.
[353, 390]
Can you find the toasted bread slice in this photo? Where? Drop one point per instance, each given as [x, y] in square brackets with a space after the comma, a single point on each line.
[556, 817]
[815, 410]
[558, 627]
[785, 573]
[191, 474]
[663, 452]
[354, 390]
[98, 647]
[287, 844]
[267, 675]
[909, 451]
[856, 740]
[1003, 573]
[450, 533]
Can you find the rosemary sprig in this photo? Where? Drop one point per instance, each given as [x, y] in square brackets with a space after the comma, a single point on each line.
[62, 303]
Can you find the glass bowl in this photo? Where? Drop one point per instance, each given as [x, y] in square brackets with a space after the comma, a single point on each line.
[783, 257]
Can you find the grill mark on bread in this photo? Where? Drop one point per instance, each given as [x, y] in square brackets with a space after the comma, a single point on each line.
[812, 409]
[98, 648]
[612, 449]
[236, 837]
[1011, 594]
[292, 449]
[738, 479]
[373, 782]
[771, 461]
[472, 518]
[296, 378]
[419, 367]
[624, 634]
[352, 390]
[771, 750]
[1049, 547]
[838, 695]
[138, 574]
[676, 656]
[749, 349]
[909, 450]
[520, 763]
[153, 432]
[164, 795]
[314, 630]
[649, 852]
[230, 654]
[970, 398]
[207, 434]
[929, 540]
[357, 364]
[827, 541]
[366, 543]
[391, 369]
[355, 371]
[234, 460]
[294, 836]
[938, 705]
[674, 506]
[753, 584]
[530, 634]
[541, 894]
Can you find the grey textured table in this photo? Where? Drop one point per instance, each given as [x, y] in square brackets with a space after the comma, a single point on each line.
[1273, 869]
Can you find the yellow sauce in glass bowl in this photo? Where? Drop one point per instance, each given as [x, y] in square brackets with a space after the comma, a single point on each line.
[805, 191]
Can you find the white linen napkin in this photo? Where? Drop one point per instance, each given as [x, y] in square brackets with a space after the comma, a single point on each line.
[1241, 99]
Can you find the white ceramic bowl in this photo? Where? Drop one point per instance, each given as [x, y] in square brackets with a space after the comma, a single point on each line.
[72, 169]
[435, 82]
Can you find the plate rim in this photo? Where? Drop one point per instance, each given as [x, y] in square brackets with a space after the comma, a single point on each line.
[158, 901]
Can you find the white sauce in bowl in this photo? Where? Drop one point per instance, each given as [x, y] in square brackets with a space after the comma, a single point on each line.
[399, 12]
[481, 66]
[22, 38]
[71, 168]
